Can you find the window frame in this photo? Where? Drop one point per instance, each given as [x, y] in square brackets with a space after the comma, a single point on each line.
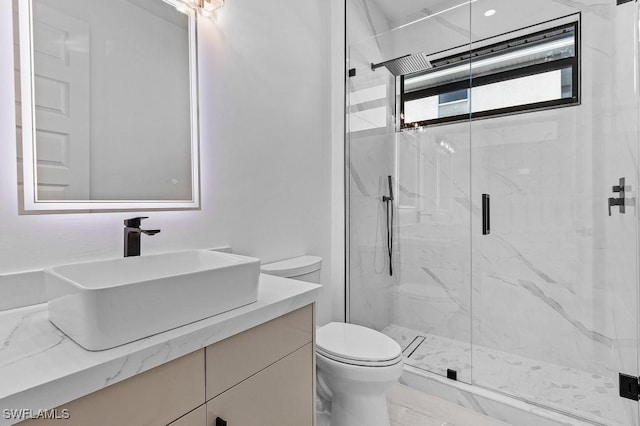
[524, 71]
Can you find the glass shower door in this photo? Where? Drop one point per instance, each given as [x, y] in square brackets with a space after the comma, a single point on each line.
[554, 273]
[423, 301]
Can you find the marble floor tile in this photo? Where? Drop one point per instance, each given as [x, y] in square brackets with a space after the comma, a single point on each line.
[409, 407]
[573, 391]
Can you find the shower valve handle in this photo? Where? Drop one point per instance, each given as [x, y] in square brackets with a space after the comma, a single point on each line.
[616, 202]
[621, 199]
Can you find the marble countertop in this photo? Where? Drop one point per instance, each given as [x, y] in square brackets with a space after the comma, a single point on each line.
[41, 368]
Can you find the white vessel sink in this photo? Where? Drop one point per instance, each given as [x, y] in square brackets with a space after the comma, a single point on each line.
[105, 304]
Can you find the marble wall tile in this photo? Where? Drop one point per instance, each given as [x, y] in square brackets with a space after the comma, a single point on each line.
[370, 161]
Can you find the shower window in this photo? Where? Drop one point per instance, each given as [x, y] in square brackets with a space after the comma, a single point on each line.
[536, 71]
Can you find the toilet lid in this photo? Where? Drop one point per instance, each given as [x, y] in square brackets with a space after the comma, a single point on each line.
[352, 342]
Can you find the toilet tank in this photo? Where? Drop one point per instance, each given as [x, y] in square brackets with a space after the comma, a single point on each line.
[303, 268]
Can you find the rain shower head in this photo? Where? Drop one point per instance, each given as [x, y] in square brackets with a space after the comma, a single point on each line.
[408, 64]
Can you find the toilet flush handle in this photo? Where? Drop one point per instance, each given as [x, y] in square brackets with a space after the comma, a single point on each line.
[220, 422]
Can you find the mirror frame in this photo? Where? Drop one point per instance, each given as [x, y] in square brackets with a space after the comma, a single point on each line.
[27, 98]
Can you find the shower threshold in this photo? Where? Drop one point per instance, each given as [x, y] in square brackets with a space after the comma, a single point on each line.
[515, 379]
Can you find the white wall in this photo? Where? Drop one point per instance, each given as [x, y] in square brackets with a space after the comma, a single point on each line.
[338, 71]
[265, 150]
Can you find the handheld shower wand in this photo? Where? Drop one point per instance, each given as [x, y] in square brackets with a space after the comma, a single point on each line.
[388, 200]
[390, 197]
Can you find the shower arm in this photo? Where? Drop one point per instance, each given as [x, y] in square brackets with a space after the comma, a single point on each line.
[385, 63]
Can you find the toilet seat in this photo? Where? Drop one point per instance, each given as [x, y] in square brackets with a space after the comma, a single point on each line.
[360, 363]
[356, 345]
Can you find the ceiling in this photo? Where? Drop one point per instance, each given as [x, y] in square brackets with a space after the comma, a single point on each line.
[511, 13]
[405, 11]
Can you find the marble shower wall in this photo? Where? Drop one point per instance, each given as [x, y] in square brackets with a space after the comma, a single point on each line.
[369, 161]
[370, 283]
[372, 152]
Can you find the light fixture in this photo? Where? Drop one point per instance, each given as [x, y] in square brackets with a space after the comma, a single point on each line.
[211, 5]
[204, 7]
[490, 12]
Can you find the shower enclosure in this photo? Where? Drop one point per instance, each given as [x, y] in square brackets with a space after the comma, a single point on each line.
[511, 136]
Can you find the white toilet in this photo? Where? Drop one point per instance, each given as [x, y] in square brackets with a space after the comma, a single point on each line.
[356, 365]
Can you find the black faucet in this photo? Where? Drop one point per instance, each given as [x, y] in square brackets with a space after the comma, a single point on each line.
[132, 233]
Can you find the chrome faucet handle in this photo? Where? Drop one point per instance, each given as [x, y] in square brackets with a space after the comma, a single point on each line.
[134, 222]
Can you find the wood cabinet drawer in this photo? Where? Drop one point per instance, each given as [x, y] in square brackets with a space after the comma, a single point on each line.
[234, 359]
[280, 395]
[197, 417]
[155, 397]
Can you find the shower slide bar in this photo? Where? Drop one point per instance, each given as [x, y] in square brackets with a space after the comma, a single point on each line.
[389, 205]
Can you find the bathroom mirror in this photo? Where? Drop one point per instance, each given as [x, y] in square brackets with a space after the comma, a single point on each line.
[107, 104]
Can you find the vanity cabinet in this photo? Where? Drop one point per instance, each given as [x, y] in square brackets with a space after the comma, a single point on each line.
[264, 376]
[279, 395]
[232, 360]
[155, 397]
[197, 417]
